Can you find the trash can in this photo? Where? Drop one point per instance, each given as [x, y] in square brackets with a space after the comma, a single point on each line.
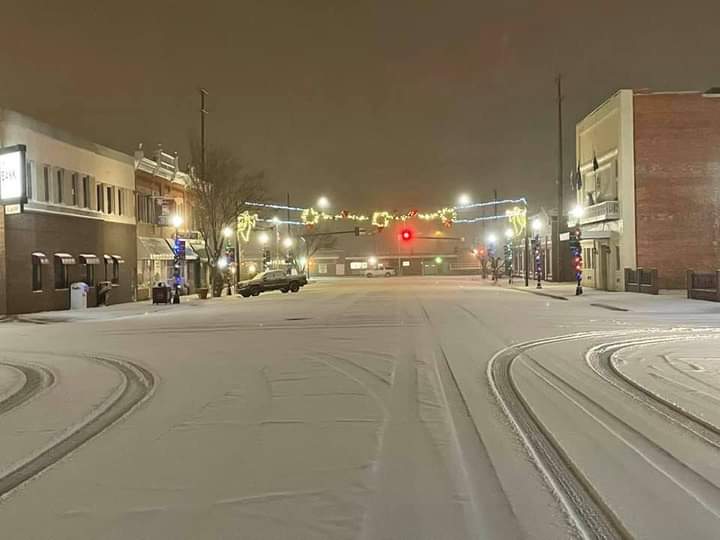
[78, 295]
[160, 294]
[103, 293]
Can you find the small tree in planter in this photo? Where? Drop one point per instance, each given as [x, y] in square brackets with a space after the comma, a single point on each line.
[217, 200]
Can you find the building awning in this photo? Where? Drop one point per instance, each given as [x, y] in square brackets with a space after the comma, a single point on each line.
[190, 254]
[65, 258]
[154, 249]
[198, 247]
[88, 258]
[118, 259]
[41, 257]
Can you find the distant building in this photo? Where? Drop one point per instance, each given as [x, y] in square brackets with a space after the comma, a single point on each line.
[78, 223]
[649, 167]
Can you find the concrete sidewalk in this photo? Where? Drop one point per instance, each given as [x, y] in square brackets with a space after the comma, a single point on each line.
[668, 301]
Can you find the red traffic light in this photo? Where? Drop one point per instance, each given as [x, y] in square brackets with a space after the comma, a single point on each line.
[406, 235]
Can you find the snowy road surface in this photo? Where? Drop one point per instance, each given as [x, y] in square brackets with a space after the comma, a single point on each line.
[435, 408]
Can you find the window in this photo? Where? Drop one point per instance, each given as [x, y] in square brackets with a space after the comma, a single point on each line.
[617, 258]
[86, 191]
[120, 208]
[74, 189]
[322, 268]
[358, 265]
[116, 272]
[46, 183]
[28, 180]
[99, 205]
[59, 186]
[109, 194]
[406, 263]
[38, 261]
[61, 277]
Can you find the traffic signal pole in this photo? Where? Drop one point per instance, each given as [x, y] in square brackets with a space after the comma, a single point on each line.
[527, 249]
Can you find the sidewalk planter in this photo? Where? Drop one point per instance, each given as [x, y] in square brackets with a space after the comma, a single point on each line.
[203, 293]
[642, 280]
[703, 285]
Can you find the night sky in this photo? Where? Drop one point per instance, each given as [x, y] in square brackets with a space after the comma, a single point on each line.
[387, 103]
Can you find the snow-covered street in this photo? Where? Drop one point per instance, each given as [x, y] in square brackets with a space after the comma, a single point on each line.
[365, 408]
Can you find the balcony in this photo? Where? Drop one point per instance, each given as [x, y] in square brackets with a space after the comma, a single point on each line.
[604, 211]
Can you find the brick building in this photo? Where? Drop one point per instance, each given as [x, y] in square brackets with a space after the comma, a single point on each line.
[78, 223]
[650, 186]
[161, 195]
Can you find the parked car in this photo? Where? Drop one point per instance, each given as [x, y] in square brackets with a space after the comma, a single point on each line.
[380, 271]
[271, 280]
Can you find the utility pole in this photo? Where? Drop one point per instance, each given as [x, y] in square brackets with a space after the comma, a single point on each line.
[203, 113]
[557, 271]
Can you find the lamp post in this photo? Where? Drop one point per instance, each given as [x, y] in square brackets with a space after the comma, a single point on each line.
[177, 222]
[228, 233]
[509, 254]
[264, 239]
[537, 226]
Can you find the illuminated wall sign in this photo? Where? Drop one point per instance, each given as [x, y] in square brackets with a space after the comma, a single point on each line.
[12, 175]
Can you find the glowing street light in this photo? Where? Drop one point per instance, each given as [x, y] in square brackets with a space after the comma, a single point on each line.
[491, 238]
[276, 220]
[536, 225]
[227, 232]
[222, 263]
[177, 221]
[464, 199]
[323, 203]
[263, 238]
[509, 233]
[577, 212]
[252, 269]
[372, 261]
[287, 242]
[438, 260]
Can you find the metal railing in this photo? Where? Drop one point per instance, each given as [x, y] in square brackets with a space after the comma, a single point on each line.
[601, 212]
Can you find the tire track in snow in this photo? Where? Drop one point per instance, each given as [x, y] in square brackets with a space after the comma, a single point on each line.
[602, 360]
[588, 513]
[585, 507]
[37, 379]
[138, 384]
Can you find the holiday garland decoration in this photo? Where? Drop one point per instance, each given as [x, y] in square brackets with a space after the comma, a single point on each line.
[245, 224]
[310, 217]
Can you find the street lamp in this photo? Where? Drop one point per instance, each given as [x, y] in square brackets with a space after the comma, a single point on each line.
[287, 242]
[536, 225]
[372, 260]
[263, 238]
[323, 203]
[222, 263]
[491, 238]
[509, 234]
[177, 222]
[464, 199]
[227, 232]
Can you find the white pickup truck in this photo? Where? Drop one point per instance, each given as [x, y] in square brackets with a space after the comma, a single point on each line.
[380, 271]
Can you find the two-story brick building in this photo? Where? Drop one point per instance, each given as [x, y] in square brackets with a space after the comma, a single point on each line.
[649, 190]
[78, 223]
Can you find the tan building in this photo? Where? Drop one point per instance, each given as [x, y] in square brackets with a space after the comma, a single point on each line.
[648, 189]
[78, 224]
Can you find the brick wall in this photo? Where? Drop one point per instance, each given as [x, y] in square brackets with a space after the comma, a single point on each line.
[677, 184]
[53, 233]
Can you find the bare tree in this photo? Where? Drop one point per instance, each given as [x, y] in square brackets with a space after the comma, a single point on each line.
[316, 241]
[218, 199]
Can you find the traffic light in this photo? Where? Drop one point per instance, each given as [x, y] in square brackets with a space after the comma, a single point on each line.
[577, 259]
[406, 235]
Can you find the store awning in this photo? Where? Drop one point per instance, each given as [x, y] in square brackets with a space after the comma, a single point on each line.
[118, 259]
[88, 258]
[198, 247]
[65, 258]
[190, 254]
[154, 249]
